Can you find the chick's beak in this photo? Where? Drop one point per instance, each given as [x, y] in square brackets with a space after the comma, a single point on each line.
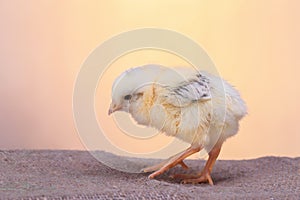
[113, 107]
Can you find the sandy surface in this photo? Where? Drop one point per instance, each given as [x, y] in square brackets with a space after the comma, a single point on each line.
[77, 175]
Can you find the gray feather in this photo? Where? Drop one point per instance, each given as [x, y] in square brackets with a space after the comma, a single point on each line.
[190, 91]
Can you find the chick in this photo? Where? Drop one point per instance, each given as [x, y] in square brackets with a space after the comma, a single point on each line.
[196, 107]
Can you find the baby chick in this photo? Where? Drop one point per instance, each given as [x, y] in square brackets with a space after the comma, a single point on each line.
[196, 107]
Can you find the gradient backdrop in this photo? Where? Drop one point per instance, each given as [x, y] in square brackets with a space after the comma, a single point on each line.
[254, 44]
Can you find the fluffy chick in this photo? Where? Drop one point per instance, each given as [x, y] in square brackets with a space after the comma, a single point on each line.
[196, 107]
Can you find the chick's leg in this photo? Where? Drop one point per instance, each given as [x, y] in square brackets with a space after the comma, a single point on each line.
[175, 160]
[204, 176]
[160, 165]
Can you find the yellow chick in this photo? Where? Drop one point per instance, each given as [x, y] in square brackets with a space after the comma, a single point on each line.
[196, 107]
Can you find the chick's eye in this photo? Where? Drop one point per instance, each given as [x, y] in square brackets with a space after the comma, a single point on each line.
[127, 97]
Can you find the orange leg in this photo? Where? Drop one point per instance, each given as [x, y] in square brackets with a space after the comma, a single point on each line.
[204, 175]
[160, 165]
[175, 160]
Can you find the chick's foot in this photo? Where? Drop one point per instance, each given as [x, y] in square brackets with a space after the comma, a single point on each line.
[160, 165]
[202, 178]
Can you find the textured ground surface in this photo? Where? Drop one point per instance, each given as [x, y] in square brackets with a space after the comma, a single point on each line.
[77, 175]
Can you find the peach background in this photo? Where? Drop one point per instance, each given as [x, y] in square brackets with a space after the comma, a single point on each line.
[254, 44]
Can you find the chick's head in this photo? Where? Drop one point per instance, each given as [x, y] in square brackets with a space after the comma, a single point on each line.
[131, 85]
